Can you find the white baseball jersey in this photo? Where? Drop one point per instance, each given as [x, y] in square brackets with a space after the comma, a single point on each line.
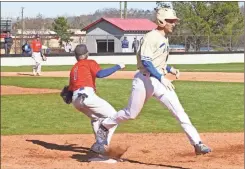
[154, 48]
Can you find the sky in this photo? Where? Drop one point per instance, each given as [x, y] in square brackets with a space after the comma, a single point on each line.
[54, 9]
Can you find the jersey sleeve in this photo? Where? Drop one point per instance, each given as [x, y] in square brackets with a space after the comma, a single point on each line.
[94, 67]
[147, 48]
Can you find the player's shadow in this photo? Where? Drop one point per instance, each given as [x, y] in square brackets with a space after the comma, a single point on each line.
[151, 164]
[25, 74]
[80, 158]
[86, 153]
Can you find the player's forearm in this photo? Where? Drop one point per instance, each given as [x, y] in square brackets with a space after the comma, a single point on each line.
[151, 69]
[107, 72]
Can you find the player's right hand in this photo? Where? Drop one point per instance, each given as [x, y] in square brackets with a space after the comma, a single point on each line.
[122, 65]
[167, 83]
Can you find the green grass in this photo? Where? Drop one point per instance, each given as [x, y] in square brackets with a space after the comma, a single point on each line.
[35, 82]
[212, 107]
[226, 67]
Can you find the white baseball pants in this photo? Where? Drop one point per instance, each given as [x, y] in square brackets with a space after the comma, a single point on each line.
[124, 50]
[143, 88]
[95, 108]
[36, 56]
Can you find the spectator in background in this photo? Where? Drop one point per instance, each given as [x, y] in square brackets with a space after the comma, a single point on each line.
[125, 44]
[48, 51]
[135, 45]
[8, 42]
[26, 48]
[68, 47]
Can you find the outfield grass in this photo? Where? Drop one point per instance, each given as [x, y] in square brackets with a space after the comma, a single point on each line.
[212, 107]
[226, 67]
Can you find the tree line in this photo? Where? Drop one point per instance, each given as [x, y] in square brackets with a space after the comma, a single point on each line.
[79, 22]
[215, 23]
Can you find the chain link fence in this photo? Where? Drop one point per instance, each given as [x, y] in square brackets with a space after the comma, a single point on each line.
[50, 42]
[209, 43]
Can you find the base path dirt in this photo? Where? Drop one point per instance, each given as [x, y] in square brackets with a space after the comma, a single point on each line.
[13, 90]
[187, 76]
[146, 151]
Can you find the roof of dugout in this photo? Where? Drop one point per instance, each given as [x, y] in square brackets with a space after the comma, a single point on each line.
[129, 24]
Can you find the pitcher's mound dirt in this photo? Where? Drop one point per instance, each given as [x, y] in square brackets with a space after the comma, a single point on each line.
[146, 151]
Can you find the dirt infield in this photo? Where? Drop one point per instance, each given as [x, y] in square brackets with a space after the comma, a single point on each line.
[186, 76]
[146, 151]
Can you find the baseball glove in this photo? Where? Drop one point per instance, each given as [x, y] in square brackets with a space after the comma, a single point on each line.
[44, 57]
[66, 95]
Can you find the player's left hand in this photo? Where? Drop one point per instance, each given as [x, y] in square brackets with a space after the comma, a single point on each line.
[122, 65]
[44, 58]
[175, 72]
[66, 95]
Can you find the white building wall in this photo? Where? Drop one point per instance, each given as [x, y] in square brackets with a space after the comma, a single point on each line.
[130, 59]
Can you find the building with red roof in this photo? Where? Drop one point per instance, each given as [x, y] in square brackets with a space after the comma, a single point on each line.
[107, 34]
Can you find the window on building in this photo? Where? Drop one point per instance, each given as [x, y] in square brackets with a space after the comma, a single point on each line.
[104, 45]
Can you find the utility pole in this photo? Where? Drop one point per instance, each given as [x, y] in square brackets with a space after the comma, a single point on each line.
[121, 9]
[22, 26]
[125, 9]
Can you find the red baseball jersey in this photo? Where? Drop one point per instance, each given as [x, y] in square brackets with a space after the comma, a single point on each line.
[83, 74]
[36, 46]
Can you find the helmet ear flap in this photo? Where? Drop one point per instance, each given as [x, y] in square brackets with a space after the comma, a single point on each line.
[161, 23]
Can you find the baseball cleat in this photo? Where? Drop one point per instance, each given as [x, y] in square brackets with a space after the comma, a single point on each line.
[101, 140]
[201, 149]
[102, 159]
[34, 73]
[102, 135]
[98, 148]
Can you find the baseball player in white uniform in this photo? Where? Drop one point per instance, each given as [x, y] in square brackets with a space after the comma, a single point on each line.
[150, 81]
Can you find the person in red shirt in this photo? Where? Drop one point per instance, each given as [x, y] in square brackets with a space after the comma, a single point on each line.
[82, 83]
[36, 47]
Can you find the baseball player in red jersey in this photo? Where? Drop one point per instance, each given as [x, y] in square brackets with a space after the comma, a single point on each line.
[36, 47]
[82, 84]
[150, 81]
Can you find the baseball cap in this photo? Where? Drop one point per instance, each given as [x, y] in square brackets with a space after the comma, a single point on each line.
[166, 13]
[81, 50]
